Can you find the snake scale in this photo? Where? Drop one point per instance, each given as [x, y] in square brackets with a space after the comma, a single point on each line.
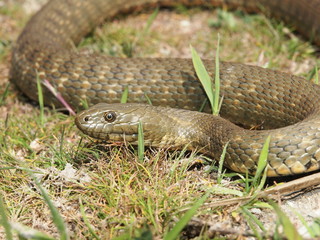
[285, 104]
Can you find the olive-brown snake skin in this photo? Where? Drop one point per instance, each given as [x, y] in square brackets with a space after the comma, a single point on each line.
[252, 95]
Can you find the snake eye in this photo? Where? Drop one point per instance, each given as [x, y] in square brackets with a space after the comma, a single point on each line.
[86, 118]
[110, 116]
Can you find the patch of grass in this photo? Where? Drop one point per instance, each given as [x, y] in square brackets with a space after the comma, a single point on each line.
[11, 10]
[142, 189]
[94, 235]
[224, 19]
[12, 16]
[178, 227]
[121, 41]
[56, 217]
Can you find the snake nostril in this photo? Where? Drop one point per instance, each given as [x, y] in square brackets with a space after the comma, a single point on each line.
[86, 118]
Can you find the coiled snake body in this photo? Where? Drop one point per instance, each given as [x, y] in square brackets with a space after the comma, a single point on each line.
[252, 95]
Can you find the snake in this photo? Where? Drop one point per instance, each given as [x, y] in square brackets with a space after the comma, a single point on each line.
[286, 107]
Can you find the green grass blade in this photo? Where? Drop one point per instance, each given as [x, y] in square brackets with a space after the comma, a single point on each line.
[221, 161]
[84, 103]
[263, 180]
[313, 73]
[129, 46]
[175, 231]
[61, 152]
[213, 94]
[148, 99]
[262, 163]
[56, 217]
[5, 133]
[125, 236]
[247, 182]
[216, 107]
[203, 76]
[220, 104]
[226, 191]
[315, 227]
[4, 220]
[316, 79]
[250, 219]
[141, 146]
[40, 99]
[147, 27]
[142, 234]
[203, 105]
[124, 97]
[4, 94]
[149, 22]
[289, 229]
[310, 229]
[24, 232]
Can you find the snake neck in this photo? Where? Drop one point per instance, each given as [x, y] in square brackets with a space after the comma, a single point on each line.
[182, 129]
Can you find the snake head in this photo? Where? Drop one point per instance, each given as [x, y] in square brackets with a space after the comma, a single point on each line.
[111, 122]
[162, 127]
